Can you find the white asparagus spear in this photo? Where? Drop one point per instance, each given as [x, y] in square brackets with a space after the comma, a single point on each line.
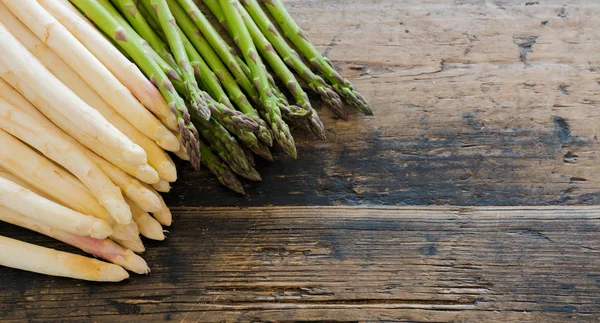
[182, 153]
[123, 69]
[127, 235]
[19, 124]
[26, 74]
[26, 202]
[48, 29]
[40, 175]
[131, 187]
[157, 157]
[105, 249]
[29, 257]
[162, 186]
[163, 215]
[148, 226]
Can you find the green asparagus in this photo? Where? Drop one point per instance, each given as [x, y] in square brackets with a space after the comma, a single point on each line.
[291, 57]
[130, 11]
[284, 74]
[220, 169]
[168, 26]
[133, 44]
[226, 79]
[269, 106]
[293, 32]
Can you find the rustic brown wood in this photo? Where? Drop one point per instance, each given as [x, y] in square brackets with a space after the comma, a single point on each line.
[476, 102]
[341, 264]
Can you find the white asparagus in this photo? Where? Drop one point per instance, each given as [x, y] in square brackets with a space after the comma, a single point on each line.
[163, 216]
[29, 257]
[126, 235]
[121, 67]
[27, 203]
[157, 157]
[26, 74]
[148, 226]
[131, 187]
[105, 249]
[182, 153]
[162, 186]
[40, 175]
[135, 246]
[49, 29]
[43, 138]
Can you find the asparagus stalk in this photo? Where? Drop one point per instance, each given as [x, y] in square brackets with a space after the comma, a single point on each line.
[286, 109]
[163, 215]
[129, 10]
[29, 204]
[130, 186]
[68, 155]
[269, 101]
[105, 249]
[220, 170]
[163, 186]
[227, 148]
[315, 83]
[40, 175]
[122, 67]
[194, 25]
[148, 226]
[138, 49]
[168, 25]
[29, 257]
[293, 32]
[157, 157]
[223, 111]
[49, 20]
[283, 72]
[263, 151]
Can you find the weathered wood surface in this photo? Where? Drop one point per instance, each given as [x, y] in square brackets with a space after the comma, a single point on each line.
[341, 264]
[477, 102]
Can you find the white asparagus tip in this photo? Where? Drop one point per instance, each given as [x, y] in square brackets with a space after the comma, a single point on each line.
[168, 140]
[147, 174]
[111, 273]
[100, 229]
[136, 245]
[135, 263]
[164, 216]
[150, 228]
[162, 186]
[167, 172]
[119, 211]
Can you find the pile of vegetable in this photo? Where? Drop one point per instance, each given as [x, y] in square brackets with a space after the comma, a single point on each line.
[96, 94]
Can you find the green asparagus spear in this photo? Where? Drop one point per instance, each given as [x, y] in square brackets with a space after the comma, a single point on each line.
[226, 79]
[169, 28]
[284, 74]
[234, 121]
[263, 151]
[130, 11]
[170, 69]
[269, 101]
[293, 32]
[291, 57]
[138, 49]
[220, 169]
[288, 111]
[226, 147]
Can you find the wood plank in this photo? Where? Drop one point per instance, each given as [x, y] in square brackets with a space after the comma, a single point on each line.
[477, 103]
[340, 264]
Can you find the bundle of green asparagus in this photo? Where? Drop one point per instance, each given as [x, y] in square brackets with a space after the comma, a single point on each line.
[95, 94]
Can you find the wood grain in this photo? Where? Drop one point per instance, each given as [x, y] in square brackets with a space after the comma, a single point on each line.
[476, 103]
[341, 264]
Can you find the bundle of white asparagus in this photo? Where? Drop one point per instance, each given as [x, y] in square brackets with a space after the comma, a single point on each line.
[84, 137]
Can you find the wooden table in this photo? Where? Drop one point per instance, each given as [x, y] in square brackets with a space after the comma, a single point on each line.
[484, 105]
